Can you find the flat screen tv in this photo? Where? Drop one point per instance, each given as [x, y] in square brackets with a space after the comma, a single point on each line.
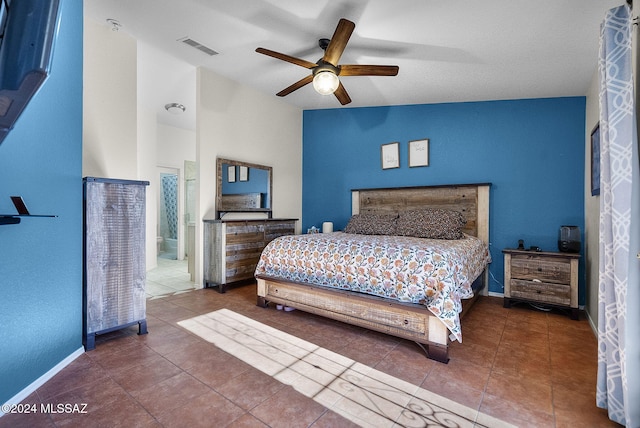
[27, 32]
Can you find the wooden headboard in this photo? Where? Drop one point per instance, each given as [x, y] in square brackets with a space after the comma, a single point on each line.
[472, 200]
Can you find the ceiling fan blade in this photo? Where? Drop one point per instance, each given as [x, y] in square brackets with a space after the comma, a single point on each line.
[341, 95]
[299, 84]
[368, 70]
[338, 41]
[288, 58]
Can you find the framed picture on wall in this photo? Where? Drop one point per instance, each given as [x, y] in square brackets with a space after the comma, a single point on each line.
[390, 155]
[595, 160]
[419, 153]
[244, 173]
[231, 174]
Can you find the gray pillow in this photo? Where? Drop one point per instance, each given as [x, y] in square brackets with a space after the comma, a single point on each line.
[433, 223]
[372, 224]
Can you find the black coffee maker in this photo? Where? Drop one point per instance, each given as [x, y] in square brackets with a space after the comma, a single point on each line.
[569, 239]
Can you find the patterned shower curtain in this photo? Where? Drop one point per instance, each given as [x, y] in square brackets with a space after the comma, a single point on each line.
[618, 388]
[169, 200]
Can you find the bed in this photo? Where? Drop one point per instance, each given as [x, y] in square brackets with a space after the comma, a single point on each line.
[431, 315]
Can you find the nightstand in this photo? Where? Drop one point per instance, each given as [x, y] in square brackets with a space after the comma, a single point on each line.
[541, 277]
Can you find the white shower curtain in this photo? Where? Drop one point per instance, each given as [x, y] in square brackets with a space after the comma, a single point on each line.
[618, 388]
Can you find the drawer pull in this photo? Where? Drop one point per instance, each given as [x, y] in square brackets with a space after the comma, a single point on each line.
[535, 280]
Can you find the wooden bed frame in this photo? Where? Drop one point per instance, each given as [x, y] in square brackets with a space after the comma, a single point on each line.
[405, 320]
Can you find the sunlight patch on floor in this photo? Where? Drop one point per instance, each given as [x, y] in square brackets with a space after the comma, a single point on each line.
[366, 396]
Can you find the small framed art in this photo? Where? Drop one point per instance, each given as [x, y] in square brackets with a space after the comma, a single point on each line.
[595, 160]
[244, 173]
[419, 153]
[231, 174]
[390, 155]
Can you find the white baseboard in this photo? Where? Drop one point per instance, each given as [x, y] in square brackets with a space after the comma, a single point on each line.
[16, 399]
[593, 325]
[494, 294]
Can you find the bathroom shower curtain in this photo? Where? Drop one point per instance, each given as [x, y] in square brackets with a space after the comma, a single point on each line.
[169, 206]
[618, 387]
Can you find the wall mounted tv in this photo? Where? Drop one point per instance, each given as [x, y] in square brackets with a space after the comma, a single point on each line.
[27, 31]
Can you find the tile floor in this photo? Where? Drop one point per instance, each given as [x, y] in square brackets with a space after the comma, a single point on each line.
[169, 278]
[523, 366]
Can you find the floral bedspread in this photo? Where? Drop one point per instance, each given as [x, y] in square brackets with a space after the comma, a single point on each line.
[434, 272]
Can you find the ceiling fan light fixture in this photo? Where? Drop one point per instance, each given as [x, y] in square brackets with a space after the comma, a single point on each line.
[325, 82]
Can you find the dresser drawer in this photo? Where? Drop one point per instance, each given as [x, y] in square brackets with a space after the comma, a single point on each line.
[544, 292]
[232, 247]
[545, 269]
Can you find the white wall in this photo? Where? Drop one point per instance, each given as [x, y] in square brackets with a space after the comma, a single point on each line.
[591, 207]
[147, 137]
[110, 103]
[163, 79]
[237, 122]
[173, 147]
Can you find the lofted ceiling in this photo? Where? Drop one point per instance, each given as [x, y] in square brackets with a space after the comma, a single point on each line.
[447, 51]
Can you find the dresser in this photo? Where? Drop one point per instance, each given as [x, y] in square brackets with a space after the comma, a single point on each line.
[232, 248]
[541, 277]
[114, 272]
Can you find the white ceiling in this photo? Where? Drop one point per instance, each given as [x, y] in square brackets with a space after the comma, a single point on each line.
[447, 51]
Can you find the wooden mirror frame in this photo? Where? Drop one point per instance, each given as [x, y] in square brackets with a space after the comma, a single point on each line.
[220, 208]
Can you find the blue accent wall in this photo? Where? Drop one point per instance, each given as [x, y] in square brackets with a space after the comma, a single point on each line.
[531, 151]
[41, 258]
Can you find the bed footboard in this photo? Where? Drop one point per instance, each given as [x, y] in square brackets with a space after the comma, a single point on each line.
[408, 321]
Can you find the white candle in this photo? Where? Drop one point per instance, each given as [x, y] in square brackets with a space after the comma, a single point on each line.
[327, 227]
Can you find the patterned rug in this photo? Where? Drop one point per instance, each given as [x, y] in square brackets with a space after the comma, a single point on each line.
[365, 396]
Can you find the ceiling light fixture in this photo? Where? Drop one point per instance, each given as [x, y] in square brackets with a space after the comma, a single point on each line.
[175, 108]
[325, 81]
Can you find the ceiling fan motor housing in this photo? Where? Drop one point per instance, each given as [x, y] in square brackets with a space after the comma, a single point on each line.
[325, 66]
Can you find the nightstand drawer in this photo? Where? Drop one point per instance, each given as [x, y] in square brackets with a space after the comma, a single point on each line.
[543, 292]
[542, 268]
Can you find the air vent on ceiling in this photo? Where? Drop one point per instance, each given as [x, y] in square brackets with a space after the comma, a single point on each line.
[199, 46]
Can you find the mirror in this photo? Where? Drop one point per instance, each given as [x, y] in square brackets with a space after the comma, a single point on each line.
[242, 187]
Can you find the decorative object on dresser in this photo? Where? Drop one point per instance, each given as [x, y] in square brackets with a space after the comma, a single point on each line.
[232, 248]
[569, 239]
[405, 318]
[114, 257]
[543, 278]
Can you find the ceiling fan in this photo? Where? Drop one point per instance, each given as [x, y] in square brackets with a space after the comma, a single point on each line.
[324, 73]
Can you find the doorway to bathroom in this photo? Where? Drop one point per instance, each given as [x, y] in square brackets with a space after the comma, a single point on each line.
[175, 227]
[168, 214]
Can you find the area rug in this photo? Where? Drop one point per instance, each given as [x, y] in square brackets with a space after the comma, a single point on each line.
[363, 395]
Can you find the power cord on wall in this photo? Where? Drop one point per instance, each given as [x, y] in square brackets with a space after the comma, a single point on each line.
[493, 277]
[496, 280]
